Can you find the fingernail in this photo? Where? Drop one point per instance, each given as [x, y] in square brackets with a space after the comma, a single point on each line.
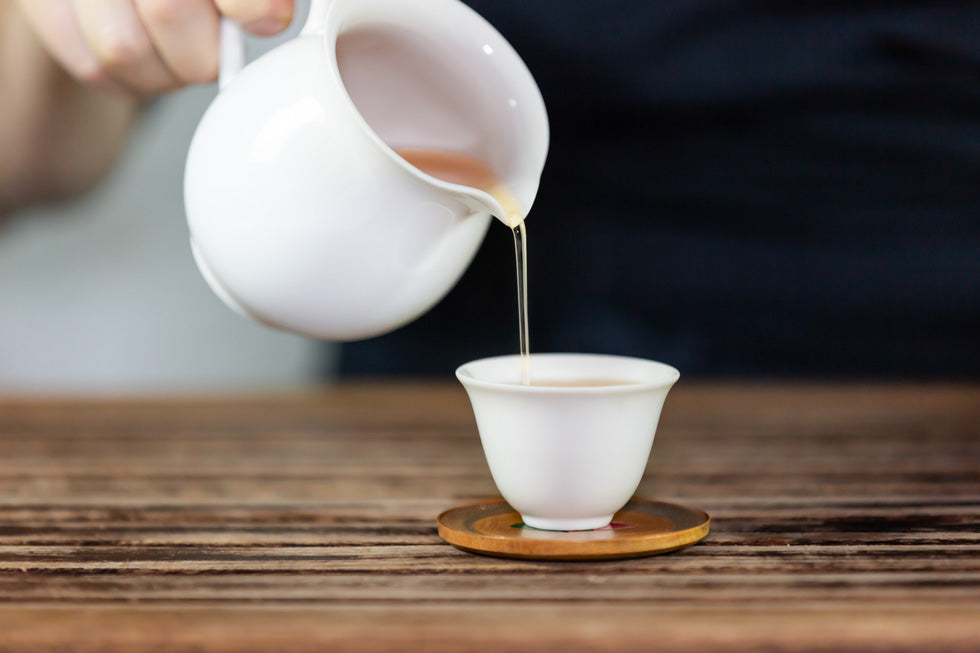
[267, 26]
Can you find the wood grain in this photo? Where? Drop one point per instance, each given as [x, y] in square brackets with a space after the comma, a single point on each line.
[843, 518]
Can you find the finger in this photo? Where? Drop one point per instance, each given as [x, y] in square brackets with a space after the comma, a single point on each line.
[114, 32]
[262, 17]
[54, 22]
[185, 35]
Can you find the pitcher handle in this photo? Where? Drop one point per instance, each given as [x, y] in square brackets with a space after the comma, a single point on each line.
[231, 52]
[232, 41]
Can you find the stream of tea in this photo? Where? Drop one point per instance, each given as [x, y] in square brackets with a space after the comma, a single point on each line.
[468, 171]
[520, 255]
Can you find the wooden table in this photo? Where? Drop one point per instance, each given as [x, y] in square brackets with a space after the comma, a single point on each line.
[844, 517]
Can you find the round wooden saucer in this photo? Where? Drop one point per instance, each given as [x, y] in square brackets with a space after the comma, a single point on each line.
[641, 528]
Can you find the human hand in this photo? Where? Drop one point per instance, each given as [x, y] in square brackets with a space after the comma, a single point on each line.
[145, 47]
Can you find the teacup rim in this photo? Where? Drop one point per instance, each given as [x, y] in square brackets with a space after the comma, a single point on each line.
[468, 380]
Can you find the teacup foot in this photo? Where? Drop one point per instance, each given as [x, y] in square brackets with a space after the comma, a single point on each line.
[545, 524]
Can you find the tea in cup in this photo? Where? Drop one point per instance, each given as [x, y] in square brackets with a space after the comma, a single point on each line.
[568, 449]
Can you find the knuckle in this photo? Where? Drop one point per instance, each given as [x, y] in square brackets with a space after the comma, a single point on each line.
[120, 49]
[91, 72]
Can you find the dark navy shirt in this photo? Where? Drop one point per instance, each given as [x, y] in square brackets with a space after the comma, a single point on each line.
[737, 188]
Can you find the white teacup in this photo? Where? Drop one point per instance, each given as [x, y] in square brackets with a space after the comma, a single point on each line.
[567, 457]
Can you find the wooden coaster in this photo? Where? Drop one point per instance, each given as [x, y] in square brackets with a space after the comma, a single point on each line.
[641, 528]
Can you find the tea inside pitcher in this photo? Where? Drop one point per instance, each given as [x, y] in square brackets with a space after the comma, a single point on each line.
[468, 171]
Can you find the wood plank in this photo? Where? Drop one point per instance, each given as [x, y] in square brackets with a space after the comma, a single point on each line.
[843, 518]
[503, 628]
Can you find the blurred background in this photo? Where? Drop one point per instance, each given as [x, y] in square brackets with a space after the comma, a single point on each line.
[740, 189]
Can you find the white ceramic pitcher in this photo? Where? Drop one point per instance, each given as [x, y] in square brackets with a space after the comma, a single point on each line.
[301, 214]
